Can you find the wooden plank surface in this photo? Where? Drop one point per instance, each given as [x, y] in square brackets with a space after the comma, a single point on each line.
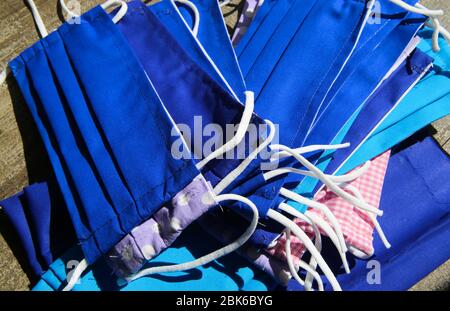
[22, 158]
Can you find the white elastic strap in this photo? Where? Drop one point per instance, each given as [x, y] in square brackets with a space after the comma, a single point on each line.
[418, 9]
[37, 19]
[214, 255]
[306, 149]
[240, 134]
[438, 29]
[372, 217]
[301, 264]
[310, 277]
[329, 183]
[320, 207]
[321, 223]
[120, 14]
[76, 275]
[432, 14]
[355, 174]
[302, 236]
[196, 15]
[225, 182]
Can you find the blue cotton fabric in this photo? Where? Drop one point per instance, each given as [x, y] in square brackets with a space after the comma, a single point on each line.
[41, 223]
[382, 102]
[178, 79]
[100, 129]
[231, 273]
[427, 102]
[280, 47]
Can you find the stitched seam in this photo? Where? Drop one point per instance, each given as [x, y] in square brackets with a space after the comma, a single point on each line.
[320, 84]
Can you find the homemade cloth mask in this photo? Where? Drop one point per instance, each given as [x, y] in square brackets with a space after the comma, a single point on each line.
[382, 102]
[213, 36]
[36, 217]
[106, 187]
[419, 237]
[426, 103]
[16, 214]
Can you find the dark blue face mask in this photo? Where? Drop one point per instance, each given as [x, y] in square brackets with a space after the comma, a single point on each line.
[177, 78]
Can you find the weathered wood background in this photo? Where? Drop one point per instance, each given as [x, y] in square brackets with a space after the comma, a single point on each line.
[22, 158]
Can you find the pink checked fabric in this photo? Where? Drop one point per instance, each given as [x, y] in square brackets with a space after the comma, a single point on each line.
[356, 226]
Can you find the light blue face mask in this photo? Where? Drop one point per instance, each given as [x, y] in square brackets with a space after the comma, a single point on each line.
[230, 273]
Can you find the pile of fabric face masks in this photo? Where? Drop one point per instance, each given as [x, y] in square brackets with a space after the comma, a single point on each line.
[190, 161]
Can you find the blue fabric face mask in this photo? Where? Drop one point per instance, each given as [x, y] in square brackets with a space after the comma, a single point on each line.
[213, 37]
[98, 136]
[381, 103]
[426, 103]
[41, 223]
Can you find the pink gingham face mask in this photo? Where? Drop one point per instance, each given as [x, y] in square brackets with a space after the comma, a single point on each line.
[357, 226]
